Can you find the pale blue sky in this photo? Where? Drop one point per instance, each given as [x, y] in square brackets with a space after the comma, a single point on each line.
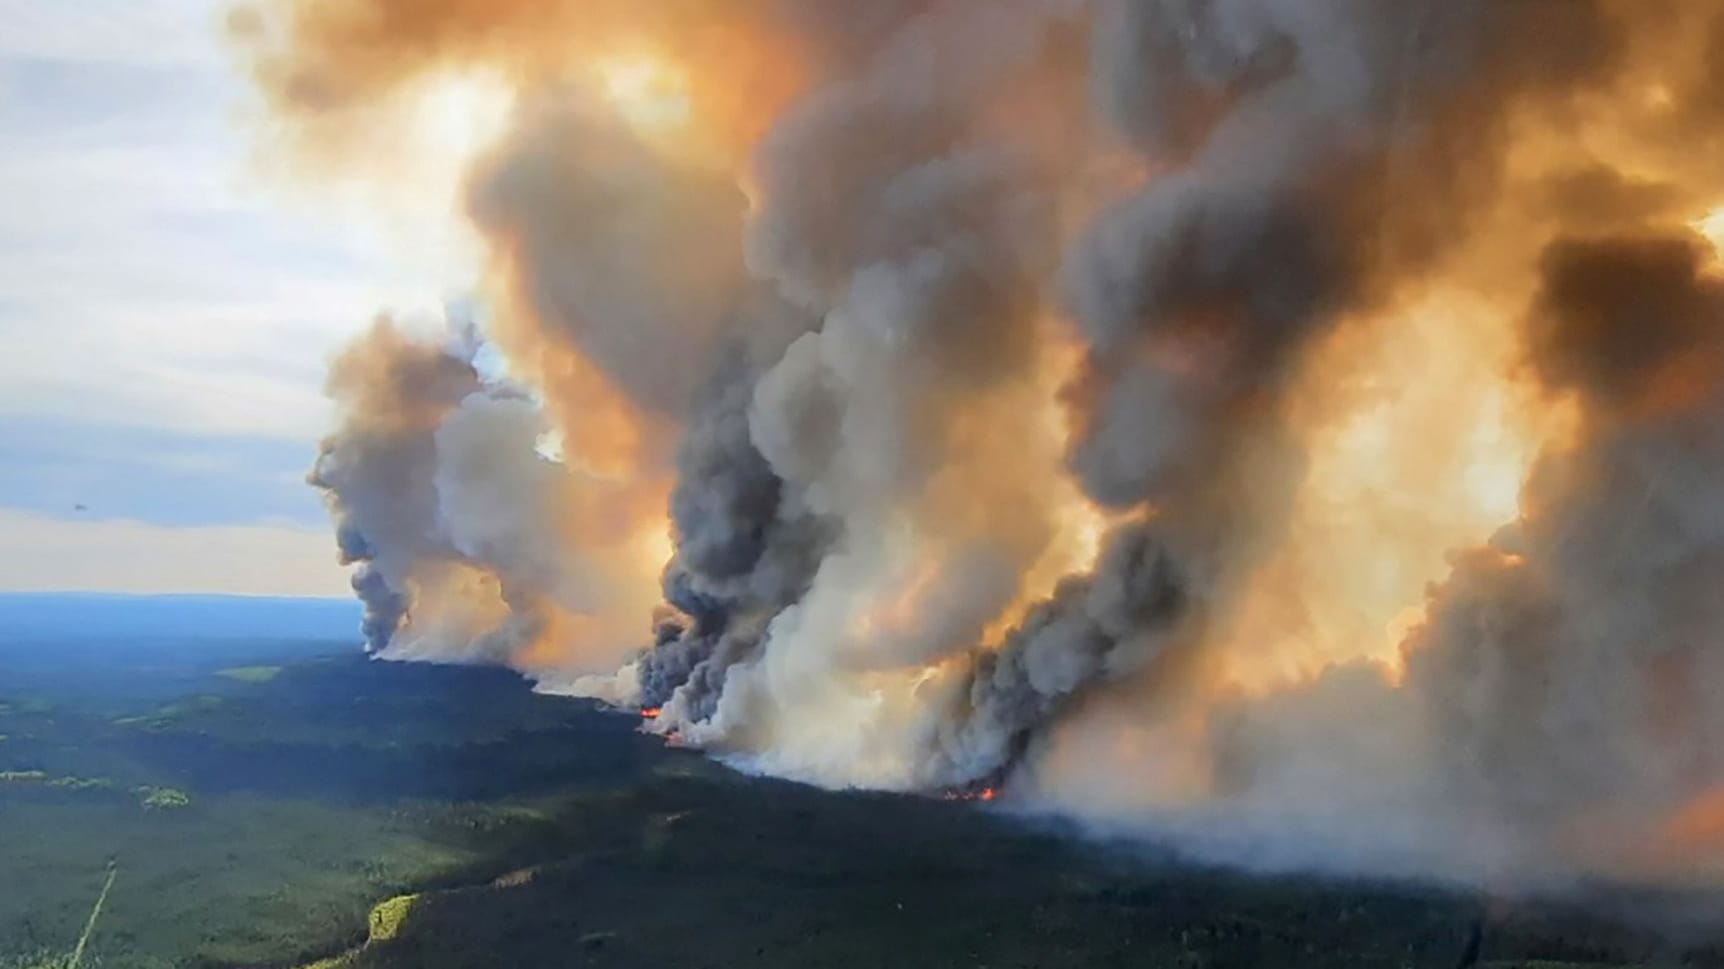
[165, 318]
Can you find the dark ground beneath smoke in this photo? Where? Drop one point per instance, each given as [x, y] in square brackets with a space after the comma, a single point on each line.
[535, 831]
[702, 870]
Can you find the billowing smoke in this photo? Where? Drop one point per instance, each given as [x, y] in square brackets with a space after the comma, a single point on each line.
[463, 529]
[380, 465]
[1294, 427]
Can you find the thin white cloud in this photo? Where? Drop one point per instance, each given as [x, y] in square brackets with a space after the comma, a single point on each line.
[146, 279]
[113, 31]
[149, 281]
[74, 555]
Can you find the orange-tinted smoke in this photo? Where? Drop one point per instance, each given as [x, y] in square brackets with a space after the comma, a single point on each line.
[312, 58]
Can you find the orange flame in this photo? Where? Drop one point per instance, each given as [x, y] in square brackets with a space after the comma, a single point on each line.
[650, 713]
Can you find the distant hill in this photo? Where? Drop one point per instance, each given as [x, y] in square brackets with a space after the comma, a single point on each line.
[81, 615]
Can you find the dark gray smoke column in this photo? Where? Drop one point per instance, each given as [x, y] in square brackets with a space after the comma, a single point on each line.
[376, 471]
[1284, 138]
[745, 549]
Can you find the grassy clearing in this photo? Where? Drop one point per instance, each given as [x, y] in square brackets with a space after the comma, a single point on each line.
[388, 917]
[37, 778]
[250, 674]
[162, 798]
[171, 715]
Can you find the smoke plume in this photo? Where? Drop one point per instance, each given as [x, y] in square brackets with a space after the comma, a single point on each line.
[1294, 428]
